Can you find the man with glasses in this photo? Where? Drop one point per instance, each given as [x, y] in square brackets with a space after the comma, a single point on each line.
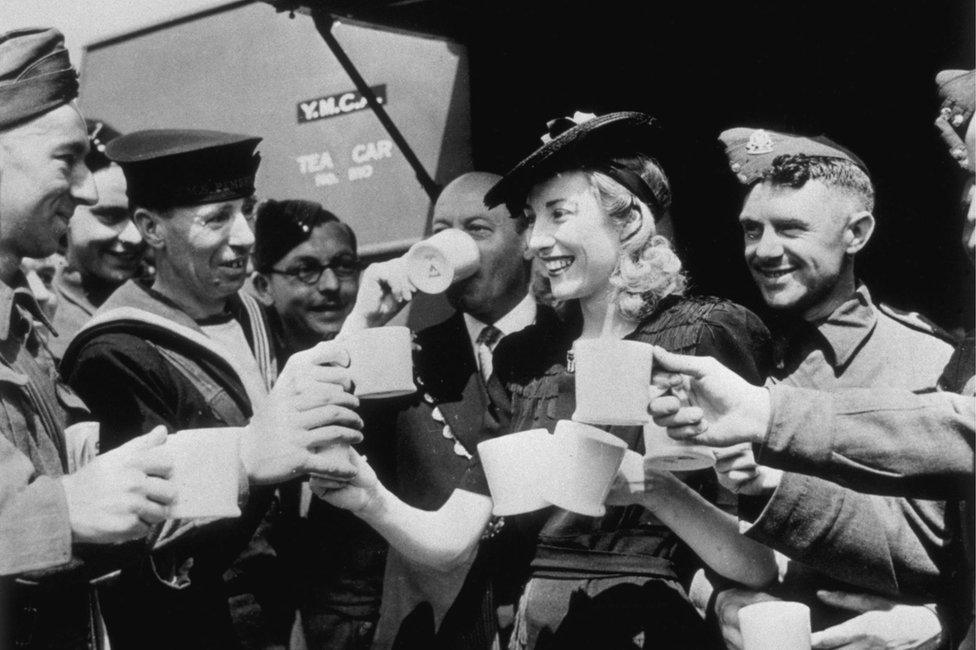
[307, 268]
[193, 352]
[308, 271]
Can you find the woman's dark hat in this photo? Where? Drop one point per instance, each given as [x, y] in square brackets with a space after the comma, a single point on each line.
[583, 141]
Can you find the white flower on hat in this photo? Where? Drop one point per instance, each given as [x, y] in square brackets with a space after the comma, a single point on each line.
[560, 125]
[579, 117]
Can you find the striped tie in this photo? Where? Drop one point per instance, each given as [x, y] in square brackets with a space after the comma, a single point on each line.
[484, 344]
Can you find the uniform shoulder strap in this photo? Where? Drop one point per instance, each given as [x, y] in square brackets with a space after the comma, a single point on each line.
[917, 322]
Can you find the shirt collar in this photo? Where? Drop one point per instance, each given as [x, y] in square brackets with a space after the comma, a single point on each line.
[18, 296]
[69, 286]
[846, 328]
[518, 318]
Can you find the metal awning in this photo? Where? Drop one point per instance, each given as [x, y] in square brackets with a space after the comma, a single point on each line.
[433, 17]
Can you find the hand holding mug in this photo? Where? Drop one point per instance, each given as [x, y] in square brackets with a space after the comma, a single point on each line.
[738, 471]
[639, 482]
[360, 494]
[880, 623]
[307, 422]
[727, 606]
[120, 494]
[722, 409]
[384, 289]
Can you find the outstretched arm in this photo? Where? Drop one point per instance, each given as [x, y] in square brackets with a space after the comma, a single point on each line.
[883, 441]
[711, 533]
[442, 539]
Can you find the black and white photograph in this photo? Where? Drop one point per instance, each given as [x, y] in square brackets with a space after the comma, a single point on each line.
[457, 325]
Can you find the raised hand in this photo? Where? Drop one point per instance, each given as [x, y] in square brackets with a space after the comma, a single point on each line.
[307, 414]
[881, 623]
[360, 493]
[727, 606]
[119, 495]
[738, 471]
[637, 482]
[384, 290]
[708, 403]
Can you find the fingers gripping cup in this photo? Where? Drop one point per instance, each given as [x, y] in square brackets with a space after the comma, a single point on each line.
[441, 260]
[775, 625]
[205, 472]
[338, 457]
[612, 379]
[517, 467]
[381, 362]
[663, 452]
[584, 463]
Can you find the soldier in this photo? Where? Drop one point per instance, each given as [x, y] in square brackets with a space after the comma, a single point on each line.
[51, 511]
[807, 214]
[104, 246]
[192, 351]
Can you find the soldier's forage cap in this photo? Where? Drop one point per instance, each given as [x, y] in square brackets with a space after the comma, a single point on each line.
[752, 151]
[36, 75]
[584, 141]
[167, 168]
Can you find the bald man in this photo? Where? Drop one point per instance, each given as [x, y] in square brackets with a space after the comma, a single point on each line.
[438, 428]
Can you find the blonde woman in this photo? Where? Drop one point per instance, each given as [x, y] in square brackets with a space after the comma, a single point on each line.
[598, 208]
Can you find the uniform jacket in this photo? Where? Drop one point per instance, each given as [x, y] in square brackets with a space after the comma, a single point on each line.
[874, 440]
[139, 363]
[44, 591]
[74, 309]
[893, 546]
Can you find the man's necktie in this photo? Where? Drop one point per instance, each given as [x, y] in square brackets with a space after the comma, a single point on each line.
[484, 345]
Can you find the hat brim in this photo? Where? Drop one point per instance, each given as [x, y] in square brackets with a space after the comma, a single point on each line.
[595, 140]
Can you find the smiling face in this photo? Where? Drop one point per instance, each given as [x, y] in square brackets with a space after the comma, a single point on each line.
[313, 313]
[102, 241]
[42, 167]
[572, 236]
[798, 244]
[501, 281]
[201, 251]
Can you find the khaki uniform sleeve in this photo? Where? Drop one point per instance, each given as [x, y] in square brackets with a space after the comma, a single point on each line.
[35, 532]
[881, 441]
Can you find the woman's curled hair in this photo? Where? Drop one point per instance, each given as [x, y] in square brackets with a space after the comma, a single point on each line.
[648, 269]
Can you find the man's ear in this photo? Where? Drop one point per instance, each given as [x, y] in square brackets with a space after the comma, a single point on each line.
[262, 287]
[860, 227]
[151, 226]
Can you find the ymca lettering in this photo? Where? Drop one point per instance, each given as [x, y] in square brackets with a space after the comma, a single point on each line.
[351, 101]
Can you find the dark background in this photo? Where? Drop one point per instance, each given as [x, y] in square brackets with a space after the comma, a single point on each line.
[860, 72]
